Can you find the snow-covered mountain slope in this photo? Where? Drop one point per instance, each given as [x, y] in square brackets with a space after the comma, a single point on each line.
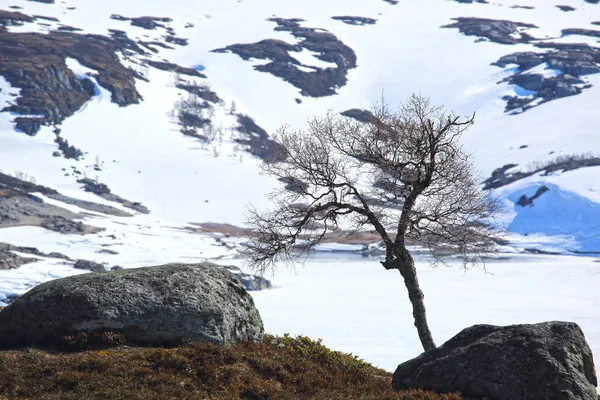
[151, 99]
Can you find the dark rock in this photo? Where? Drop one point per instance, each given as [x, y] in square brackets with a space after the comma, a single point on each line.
[35, 63]
[250, 282]
[176, 40]
[67, 28]
[583, 32]
[499, 177]
[53, 19]
[108, 251]
[563, 89]
[358, 114]
[355, 20]
[116, 268]
[498, 31]
[14, 18]
[201, 91]
[56, 154]
[392, 2]
[8, 181]
[63, 225]
[100, 189]
[68, 151]
[294, 184]
[525, 201]
[167, 66]
[91, 185]
[257, 140]
[471, 1]
[159, 305]
[566, 8]
[29, 126]
[316, 83]
[533, 82]
[43, 1]
[145, 22]
[89, 265]
[550, 360]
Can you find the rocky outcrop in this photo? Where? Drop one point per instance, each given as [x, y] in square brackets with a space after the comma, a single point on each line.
[89, 265]
[572, 61]
[9, 258]
[350, 20]
[101, 190]
[249, 281]
[159, 305]
[316, 82]
[494, 30]
[550, 360]
[20, 206]
[257, 140]
[50, 91]
[501, 177]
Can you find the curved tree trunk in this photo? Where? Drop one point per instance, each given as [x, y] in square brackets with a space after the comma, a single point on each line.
[409, 273]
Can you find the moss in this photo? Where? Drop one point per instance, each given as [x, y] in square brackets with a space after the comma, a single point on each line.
[277, 368]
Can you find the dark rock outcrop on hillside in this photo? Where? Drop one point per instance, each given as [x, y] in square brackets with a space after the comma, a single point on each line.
[146, 22]
[358, 114]
[167, 66]
[471, 1]
[19, 206]
[315, 83]
[572, 60]
[50, 91]
[249, 281]
[89, 265]
[550, 360]
[495, 30]
[500, 177]
[155, 305]
[14, 18]
[101, 190]
[565, 8]
[355, 20]
[257, 140]
[10, 260]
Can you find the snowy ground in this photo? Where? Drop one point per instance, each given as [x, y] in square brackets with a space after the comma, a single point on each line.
[356, 306]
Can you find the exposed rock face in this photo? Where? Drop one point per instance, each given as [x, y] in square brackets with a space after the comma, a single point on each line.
[498, 31]
[10, 260]
[155, 305]
[501, 177]
[257, 139]
[316, 83]
[350, 20]
[250, 282]
[550, 360]
[101, 190]
[50, 91]
[89, 265]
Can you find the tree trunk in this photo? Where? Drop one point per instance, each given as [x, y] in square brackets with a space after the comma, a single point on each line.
[409, 273]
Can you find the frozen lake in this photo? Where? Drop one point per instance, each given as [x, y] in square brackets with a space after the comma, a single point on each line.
[356, 306]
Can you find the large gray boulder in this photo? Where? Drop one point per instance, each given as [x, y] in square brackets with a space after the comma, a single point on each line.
[549, 361]
[154, 305]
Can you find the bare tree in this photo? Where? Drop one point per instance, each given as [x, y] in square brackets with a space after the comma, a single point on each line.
[403, 174]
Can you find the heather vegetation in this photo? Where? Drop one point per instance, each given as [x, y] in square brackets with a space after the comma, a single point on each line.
[276, 368]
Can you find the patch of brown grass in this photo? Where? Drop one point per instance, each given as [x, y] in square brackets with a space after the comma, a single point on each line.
[277, 368]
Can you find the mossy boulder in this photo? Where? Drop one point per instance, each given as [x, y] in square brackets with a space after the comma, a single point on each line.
[160, 305]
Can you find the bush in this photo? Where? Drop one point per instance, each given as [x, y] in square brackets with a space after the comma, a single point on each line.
[277, 368]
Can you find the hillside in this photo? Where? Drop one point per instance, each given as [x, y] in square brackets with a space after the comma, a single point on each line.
[277, 368]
